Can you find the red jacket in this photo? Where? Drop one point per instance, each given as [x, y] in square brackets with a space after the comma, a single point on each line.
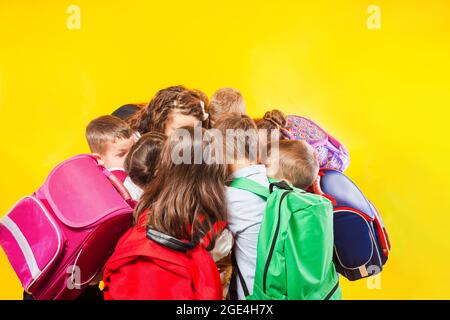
[141, 269]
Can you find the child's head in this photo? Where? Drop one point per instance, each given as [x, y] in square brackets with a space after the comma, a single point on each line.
[128, 110]
[270, 127]
[143, 158]
[272, 120]
[110, 139]
[186, 197]
[203, 97]
[170, 108]
[240, 138]
[297, 163]
[225, 100]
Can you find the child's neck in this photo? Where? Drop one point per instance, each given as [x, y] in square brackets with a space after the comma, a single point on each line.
[233, 167]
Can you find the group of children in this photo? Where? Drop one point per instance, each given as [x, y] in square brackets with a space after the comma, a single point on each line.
[191, 206]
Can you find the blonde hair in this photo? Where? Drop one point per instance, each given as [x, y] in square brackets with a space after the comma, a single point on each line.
[225, 100]
[297, 163]
[104, 129]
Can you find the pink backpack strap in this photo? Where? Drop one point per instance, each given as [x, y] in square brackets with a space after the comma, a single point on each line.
[117, 183]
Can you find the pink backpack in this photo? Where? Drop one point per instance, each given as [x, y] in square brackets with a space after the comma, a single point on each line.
[331, 153]
[58, 239]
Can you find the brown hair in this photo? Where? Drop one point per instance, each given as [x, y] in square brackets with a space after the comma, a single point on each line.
[155, 115]
[272, 120]
[106, 128]
[143, 158]
[225, 100]
[245, 131]
[297, 163]
[186, 199]
[203, 97]
[206, 123]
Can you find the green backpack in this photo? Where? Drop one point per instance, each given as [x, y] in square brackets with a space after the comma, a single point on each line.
[295, 245]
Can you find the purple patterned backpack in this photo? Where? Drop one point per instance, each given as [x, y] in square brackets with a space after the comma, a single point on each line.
[331, 153]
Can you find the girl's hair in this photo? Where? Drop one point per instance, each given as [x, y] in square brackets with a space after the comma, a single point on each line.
[186, 199]
[203, 97]
[143, 158]
[272, 120]
[155, 115]
[206, 119]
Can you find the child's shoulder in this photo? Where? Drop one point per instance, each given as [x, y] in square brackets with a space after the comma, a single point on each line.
[238, 195]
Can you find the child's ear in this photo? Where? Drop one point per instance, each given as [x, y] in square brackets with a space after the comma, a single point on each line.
[316, 186]
[99, 159]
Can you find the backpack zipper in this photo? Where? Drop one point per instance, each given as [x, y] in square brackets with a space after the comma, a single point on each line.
[272, 246]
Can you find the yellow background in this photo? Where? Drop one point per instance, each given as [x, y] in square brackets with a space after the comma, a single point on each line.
[384, 93]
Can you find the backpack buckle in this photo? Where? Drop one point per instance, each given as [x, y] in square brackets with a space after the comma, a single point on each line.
[280, 185]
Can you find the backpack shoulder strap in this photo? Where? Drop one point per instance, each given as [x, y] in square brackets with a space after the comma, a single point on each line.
[258, 189]
[169, 241]
[241, 277]
[251, 186]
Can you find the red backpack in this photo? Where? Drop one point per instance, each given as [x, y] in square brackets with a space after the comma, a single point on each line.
[149, 265]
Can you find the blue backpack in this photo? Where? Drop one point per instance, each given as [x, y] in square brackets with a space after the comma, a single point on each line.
[361, 243]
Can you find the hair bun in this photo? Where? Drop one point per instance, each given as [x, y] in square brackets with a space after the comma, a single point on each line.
[277, 117]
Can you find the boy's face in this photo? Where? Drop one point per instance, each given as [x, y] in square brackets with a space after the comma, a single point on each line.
[116, 152]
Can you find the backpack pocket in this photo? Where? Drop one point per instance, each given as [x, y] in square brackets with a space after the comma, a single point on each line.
[80, 194]
[31, 240]
[356, 254]
[93, 254]
[332, 158]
